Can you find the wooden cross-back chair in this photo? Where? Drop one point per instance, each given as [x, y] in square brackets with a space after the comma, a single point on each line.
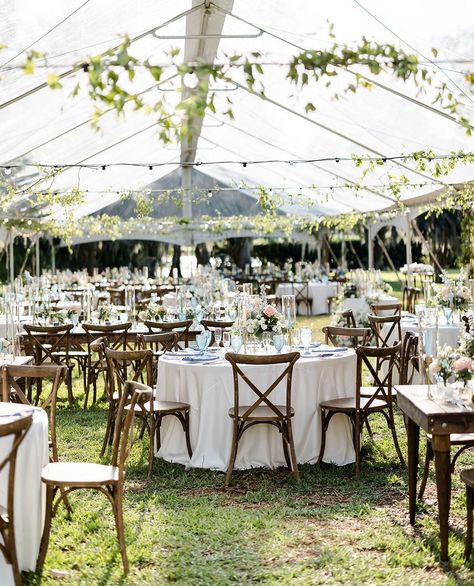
[211, 325]
[116, 337]
[410, 359]
[16, 428]
[383, 309]
[122, 365]
[388, 337]
[180, 327]
[301, 293]
[159, 344]
[51, 345]
[353, 337]
[67, 477]
[409, 297]
[263, 409]
[358, 408]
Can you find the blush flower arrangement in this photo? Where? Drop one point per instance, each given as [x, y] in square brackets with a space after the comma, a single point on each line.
[264, 318]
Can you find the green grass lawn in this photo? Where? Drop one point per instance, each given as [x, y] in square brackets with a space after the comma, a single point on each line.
[268, 529]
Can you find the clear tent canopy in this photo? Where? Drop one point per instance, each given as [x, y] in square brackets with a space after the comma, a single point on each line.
[42, 126]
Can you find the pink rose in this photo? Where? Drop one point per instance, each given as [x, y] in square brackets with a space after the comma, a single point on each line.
[463, 363]
[269, 311]
[445, 291]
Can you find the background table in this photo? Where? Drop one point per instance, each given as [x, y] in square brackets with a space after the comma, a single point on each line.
[359, 305]
[208, 388]
[447, 335]
[318, 293]
[29, 494]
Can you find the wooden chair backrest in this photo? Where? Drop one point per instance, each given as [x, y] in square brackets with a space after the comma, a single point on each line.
[377, 323]
[348, 315]
[409, 297]
[355, 336]
[381, 309]
[123, 365]
[13, 392]
[301, 292]
[382, 386]
[43, 341]
[263, 397]
[159, 344]
[180, 327]
[409, 361]
[115, 334]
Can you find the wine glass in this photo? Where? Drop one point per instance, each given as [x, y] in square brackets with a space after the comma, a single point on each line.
[236, 342]
[218, 336]
[74, 319]
[306, 338]
[278, 342]
[208, 336]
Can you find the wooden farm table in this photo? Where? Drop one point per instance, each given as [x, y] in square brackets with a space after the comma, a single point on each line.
[440, 420]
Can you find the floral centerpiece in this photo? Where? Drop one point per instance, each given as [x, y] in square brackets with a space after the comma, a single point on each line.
[104, 312]
[461, 297]
[264, 318]
[154, 312]
[442, 366]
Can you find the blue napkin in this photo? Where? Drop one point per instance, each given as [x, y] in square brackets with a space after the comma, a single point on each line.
[199, 358]
[330, 350]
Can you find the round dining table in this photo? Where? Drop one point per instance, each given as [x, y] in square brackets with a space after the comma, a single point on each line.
[208, 388]
[318, 293]
[29, 495]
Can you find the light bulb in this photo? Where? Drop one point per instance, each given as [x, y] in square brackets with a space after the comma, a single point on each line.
[7, 171]
[190, 80]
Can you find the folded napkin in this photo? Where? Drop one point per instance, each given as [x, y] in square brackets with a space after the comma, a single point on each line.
[198, 358]
[329, 349]
[181, 353]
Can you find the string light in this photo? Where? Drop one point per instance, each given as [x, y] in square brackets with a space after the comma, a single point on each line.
[7, 170]
[419, 156]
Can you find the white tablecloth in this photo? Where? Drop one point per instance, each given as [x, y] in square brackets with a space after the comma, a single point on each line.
[447, 335]
[29, 494]
[359, 305]
[318, 293]
[208, 388]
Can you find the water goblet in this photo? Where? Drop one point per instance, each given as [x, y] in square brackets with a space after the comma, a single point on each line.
[208, 336]
[236, 342]
[74, 319]
[201, 341]
[278, 342]
[218, 336]
[296, 337]
[306, 337]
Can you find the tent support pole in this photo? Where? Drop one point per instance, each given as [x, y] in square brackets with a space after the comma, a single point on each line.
[408, 251]
[370, 245]
[12, 257]
[53, 257]
[38, 256]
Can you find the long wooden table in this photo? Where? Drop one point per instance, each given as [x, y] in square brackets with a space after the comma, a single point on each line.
[440, 420]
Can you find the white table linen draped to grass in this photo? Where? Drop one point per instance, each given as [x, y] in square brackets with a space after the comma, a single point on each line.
[317, 292]
[208, 388]
[32, 455]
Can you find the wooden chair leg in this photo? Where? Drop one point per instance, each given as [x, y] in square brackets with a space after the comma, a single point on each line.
[151, 453]
[233, 454]
[324, 424]
[469, 507]
[50, 492]
[426, 470]
[118, 514]
[108, 430]
[294, 461]
[187, 434]
[357, 430]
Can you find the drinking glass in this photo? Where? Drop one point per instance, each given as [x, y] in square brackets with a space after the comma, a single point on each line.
[278, 342]
[296, 337]
[208, 336]
[266, 339]
[236, 342]
[218, 336]
[201, 341]
[226, 340]
[306, 337]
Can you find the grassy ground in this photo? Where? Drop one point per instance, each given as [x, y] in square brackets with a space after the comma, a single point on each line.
[184, 528]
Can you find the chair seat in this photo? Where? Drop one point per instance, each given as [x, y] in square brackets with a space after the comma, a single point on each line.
[163, 407]
[349, 404]
[369, 391]
[467, 476]
[79, 474]
[262, 412]
[72, 353]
